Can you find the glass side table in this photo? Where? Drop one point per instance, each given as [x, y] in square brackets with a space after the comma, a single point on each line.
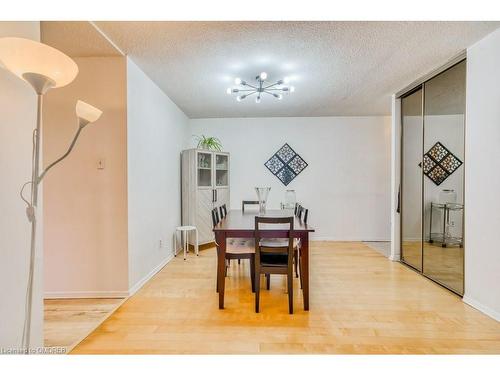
[444, 237]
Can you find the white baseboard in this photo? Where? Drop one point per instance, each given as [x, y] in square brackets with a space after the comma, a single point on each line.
[110, 294]
[86, 294]
[337, 239]
[484, 309]
[138, 285]
[396, 258]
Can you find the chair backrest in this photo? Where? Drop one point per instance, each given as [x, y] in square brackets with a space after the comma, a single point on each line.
[223, 211]
[215, 216]
[286, 233]
[248, 203]
[298, 211]
[302, 210]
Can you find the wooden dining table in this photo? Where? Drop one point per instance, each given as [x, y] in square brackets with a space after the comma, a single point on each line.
[239, 224]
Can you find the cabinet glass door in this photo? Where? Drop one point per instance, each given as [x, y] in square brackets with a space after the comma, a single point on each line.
[411, 179]
[204, 169]
[221, 170]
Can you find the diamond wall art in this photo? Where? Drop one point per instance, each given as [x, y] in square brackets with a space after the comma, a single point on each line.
[439, 163]
[286, 164]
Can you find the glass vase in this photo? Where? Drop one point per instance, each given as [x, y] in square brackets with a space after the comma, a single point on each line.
[262, 194]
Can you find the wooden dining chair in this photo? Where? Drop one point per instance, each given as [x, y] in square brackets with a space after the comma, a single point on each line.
[272, 259]
[248, 203]
[296, 254]
[223, 211]
[299, 211]
[237, 248]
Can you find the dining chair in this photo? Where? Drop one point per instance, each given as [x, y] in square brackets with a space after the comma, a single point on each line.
[248, 203]
[223, 211]
[296, 254]
[299, 210]
[237, 248]
[272, 259]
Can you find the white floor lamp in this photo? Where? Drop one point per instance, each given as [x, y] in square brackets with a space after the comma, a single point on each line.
[44, 68]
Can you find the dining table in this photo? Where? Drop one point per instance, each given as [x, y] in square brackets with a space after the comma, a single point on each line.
[241, 224]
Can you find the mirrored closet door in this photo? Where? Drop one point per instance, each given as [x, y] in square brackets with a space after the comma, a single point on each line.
[432, 174]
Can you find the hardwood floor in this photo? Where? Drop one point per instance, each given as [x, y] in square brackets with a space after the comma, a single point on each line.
[67, 321]
[360, 303]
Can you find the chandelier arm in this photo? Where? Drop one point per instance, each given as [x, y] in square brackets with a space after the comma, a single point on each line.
[268, 93]
[243, 91]
[252, 86]
[274, 84]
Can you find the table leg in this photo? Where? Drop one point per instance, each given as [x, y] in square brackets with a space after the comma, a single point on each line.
[220, 238]
[304, 268]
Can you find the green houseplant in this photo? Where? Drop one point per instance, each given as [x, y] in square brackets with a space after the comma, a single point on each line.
[208, 143]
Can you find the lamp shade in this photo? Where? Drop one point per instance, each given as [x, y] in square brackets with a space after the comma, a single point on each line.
[87, 113]
[24, 56]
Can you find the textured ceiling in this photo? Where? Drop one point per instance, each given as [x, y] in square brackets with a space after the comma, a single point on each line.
[76, 39]
[338, 68]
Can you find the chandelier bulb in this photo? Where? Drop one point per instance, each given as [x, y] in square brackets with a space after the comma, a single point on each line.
[229, 91]
[280, 96]
[238, 98]
[292, 89]
[286, 80]
[238, 81]
[263, 76]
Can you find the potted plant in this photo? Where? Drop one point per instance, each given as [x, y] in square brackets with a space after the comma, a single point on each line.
[208, 143]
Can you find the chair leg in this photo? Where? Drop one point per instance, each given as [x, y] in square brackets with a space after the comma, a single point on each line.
[175, 243]
[268, 281]
[239, 261]
[295, 261]
[184, 236]
[228, 263]
[217, 275]
[257, 290]
[290, 292]
[252, 271]
[300, 276]
[197, 246]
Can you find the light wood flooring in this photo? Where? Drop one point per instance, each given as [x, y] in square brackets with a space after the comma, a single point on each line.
[361, 302]
[67, 321]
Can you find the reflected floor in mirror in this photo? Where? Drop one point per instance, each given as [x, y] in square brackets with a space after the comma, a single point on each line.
[444, 264]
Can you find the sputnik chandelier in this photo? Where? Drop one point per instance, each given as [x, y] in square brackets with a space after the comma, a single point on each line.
[262, 86]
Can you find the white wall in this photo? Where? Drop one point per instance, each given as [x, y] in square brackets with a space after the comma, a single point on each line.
[86, 208]
[482, 178]
[395, 178]
[18, 109]
[157, 132]
[346, 185]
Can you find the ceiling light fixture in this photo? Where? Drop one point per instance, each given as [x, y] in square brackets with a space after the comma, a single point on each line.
[262, 87]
